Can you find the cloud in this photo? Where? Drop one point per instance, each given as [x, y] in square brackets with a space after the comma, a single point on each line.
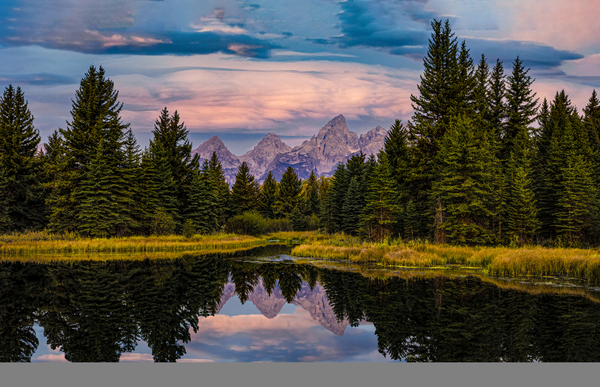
[294, 98]
[533, 55]
[286, 337]
[51, 358]
[136, 357]
[122, 27]
[39, 79]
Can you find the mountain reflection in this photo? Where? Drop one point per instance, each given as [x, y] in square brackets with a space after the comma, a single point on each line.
[101, 311]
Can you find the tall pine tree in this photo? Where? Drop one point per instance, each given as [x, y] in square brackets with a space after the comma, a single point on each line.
[18, 145]
[244, 193]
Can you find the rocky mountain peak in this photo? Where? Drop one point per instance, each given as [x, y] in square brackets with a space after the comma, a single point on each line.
[263, 153]
[229, 161]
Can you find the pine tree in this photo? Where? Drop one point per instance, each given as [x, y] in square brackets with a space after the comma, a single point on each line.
[381, 209]
[97, 217]
[298, 220]
[95, 118]
[496, 97]
[289, 194]
[165, 183]
[397, 151]
[18, 145]
[148, 189]
[463, 189]
[132, 175]
[411, 221]
[4, 217]
[203, 210]
[591, 123]
[440, 98]
[564, 149]
[521, 213]
[337, 195]
[481, 91]
[353, 207]
[217, 177]
[244, 193]
[521, 109]
[313, 202]
[267, 196]
[172, 135]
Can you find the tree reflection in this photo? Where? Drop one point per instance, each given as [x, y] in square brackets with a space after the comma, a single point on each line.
[96, 311]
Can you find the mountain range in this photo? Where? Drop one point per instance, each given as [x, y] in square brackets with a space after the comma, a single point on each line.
[333, 143]
[313, 301]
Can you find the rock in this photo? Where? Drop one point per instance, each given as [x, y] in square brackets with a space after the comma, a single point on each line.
[229, 161]
[264, 153]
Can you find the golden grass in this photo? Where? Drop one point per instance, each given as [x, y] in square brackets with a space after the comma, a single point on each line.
[502, 261]
[26, 245]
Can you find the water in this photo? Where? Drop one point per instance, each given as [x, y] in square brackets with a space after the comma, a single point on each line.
[267, 307]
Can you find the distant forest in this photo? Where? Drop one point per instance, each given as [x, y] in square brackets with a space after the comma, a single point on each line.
[469, 168]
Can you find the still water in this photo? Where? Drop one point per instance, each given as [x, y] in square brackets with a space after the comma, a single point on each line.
[265, 306]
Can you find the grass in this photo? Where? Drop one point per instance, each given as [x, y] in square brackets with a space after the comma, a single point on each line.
[499, 261]
[41, 243]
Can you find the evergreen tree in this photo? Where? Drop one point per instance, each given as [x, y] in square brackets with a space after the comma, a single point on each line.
[165, 183]
[289, 194]
[313, 202]
[411, 221]
[521, 109]
[18, 145]
[132, 175]
[353, 207]
[267, 196]
[337, 195]
[172, 135]
[463, 189]
[591, 121]
[222, 192]
[298, 220]
[148, 189]
[203, 209]
[521, 213]
[381, 209]
[98, 215]
[95, 118]
[4, 217]
[481, 91]
[496, 97]
[244, 193]
[440, 98]
[565, 167]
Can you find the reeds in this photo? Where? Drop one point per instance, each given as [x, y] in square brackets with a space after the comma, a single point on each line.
[502, 261]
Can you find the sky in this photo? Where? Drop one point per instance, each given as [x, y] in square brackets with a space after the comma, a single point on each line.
[243, 68]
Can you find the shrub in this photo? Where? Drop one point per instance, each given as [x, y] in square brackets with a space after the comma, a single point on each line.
[248, 223]
[188, 230]
[163, 223]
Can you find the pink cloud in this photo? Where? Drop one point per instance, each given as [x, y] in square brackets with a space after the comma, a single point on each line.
[136, 357]
[49, 357]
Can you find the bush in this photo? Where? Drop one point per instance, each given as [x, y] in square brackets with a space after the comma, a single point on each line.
[278, 225]
[188, 230]
[248, 223]
[163, 223]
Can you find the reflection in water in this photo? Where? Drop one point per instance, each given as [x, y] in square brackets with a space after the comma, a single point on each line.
[101, 311]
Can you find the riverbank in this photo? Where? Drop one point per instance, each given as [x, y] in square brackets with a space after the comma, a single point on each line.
[497, 261]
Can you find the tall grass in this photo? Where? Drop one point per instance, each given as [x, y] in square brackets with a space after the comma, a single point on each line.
[501, 261]
[36, 243]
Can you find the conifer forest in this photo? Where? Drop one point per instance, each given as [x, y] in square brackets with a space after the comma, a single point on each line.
[481, 162]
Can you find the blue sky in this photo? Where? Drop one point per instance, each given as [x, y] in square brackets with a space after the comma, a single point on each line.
[242, 69]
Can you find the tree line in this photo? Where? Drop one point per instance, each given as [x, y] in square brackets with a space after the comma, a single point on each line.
[470, 167]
